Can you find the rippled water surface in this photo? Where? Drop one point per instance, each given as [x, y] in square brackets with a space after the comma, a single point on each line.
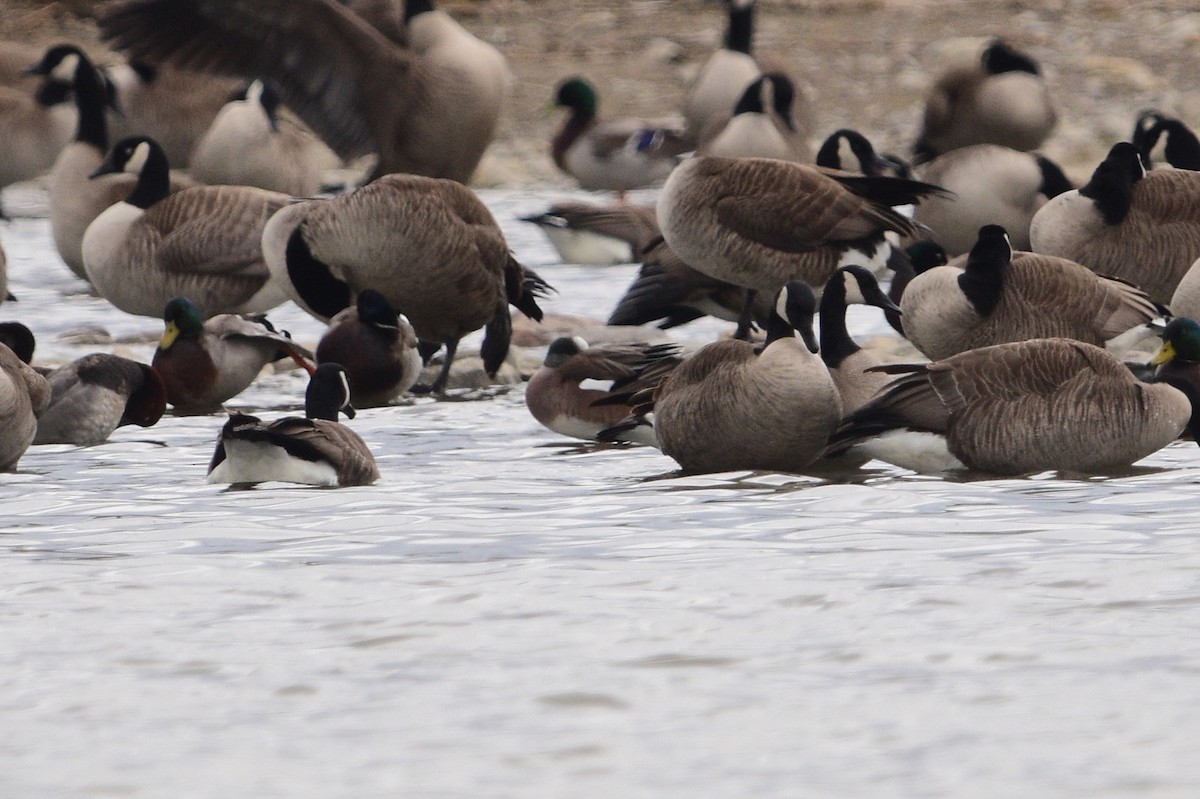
[511, 614]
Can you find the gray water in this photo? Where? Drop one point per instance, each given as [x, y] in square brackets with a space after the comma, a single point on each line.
[511, 614]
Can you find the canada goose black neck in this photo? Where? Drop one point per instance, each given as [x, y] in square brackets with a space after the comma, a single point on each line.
[792, 313]
[328, 392]
[779, 96]
[1111, 184]
[999, 58]
[154, 177]
[983, 279]
[829, 156]
[315, 284]
[739, 35]
[1183, 148]
[91, 96]
[18, 338]
[836, 344]
[1054, 180]
[414, 7]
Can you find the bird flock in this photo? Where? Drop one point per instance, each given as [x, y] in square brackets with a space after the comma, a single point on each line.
[187, 182]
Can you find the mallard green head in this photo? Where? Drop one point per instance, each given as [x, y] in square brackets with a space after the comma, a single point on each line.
[578, 95]
[1181, 342]
[182, 318]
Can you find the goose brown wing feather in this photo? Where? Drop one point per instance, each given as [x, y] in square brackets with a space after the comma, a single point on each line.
[324, 57]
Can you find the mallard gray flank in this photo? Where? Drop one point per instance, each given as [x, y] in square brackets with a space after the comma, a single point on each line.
[1003, 99]
[1138, 226]
[1016, 408]
[429, 246]
[429, 110]
[94, 395]
[313, 450]
[203, 243]
[996, 295]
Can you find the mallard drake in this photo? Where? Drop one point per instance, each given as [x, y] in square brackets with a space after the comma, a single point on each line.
[253, 141]
[1003, 99]
[314, 450]
[429, 109]
[716, 88]
[759, 223]
[204, 363]
[1181, 148]
[203, 243]
[1177, 359]
[75, 199]
[846, 361]
[554, 394]
[1125, 222]
[997, 295]
[24, 396]
[763, 124]
[1015, 408]
[429, 246]
[376, 346]
[94, 395]
[988, 184]
[609, 154]
[734, 405]
[583, 233]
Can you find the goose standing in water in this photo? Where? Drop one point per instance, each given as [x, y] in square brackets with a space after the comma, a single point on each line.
[1135, 225]
[314, 450]
[430, 109]
[94, 395]
[203, 243]
[429, 246]
[1003, 99]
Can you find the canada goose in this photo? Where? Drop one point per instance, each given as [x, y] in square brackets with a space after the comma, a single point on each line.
[204, 243]
[429, 110]
[734, 405]
[609, 154]
[989, 184]
[314, 450]
[24, 395]
[758, 222]
[920, 256]
[205, 362]
[1020, 407]
[172, 106]
[669, 290]
[376, 346]
[846, 361]
[1001, 100]
[76, 200]
[251, 142]
[1181, 147]
[430, 246]
[94, 395]
[556, 399]
[1125, 222]
[716, 88]
[849, 151]
[763, 125]
[597, 234]
[34, 125]
[999, 295]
